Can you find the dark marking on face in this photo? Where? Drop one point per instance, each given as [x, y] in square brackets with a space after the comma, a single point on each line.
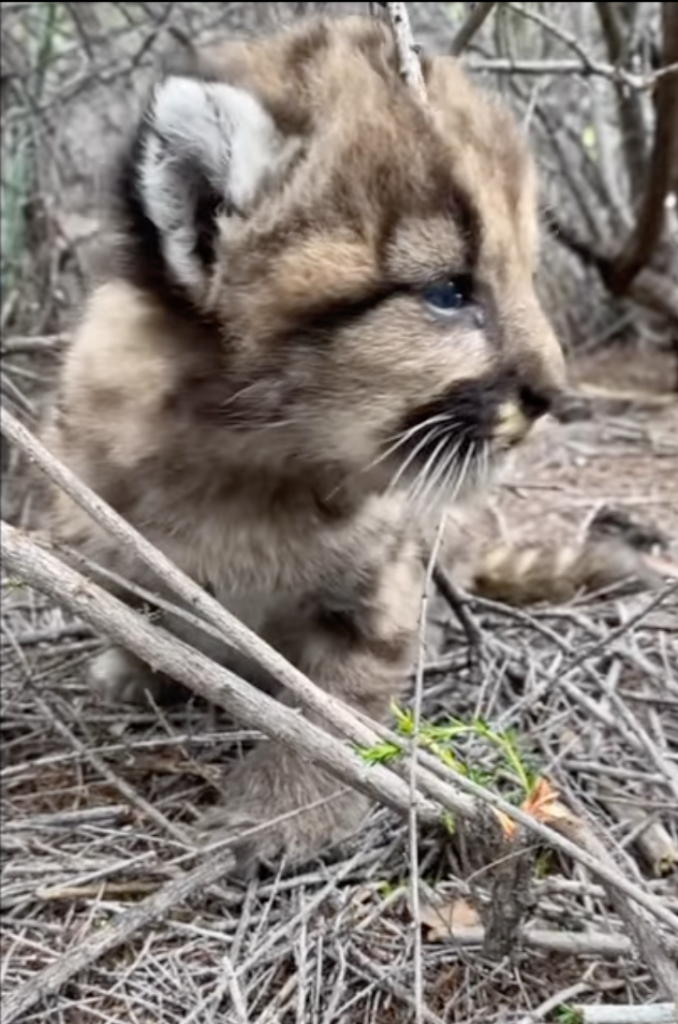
[466, 412]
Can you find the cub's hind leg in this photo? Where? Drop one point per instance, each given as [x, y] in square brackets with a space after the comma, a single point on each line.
[358, 646]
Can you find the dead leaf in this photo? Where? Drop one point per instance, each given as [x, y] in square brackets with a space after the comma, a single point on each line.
[444, 918]
[542, 804]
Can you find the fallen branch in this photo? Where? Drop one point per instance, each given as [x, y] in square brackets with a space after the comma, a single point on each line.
[659, 1013]
[37, 566]
[413, 751]
[567, 66]
[434, 777]
[330, 710]
[586, 943]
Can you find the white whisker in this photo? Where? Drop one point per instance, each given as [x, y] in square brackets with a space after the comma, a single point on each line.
[450, 471]
[419, 499]
[402, 438]
[429, 422]
[463, 472]
[429, 465]
[428, 439]
[238, 394]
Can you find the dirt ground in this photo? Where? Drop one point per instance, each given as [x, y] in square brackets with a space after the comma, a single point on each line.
[626, 455]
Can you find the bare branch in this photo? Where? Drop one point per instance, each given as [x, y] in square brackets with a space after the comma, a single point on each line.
[408, 53]
[587, 65]
[629, 109]
[656, 1013]
[662, 165]
[592, 68]
[472, 25]
[414, 750]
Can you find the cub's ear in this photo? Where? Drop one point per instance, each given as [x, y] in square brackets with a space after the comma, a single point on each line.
[203, 148]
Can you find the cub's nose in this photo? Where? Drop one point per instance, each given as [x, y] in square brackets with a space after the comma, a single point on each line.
[535, 403]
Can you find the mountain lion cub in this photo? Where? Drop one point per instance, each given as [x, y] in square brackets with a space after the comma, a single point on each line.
[322, 324]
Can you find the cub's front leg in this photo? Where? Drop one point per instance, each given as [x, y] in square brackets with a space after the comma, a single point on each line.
[357, 644]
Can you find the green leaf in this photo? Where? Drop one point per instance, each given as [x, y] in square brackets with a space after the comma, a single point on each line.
[380, 753]
[404, 720]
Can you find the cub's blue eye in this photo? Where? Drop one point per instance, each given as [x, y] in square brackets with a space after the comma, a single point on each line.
[447, 297]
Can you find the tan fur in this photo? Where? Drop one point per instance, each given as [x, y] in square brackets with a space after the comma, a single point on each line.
[244, 430]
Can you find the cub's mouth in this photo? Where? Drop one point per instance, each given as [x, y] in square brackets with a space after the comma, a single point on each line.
[450, 447]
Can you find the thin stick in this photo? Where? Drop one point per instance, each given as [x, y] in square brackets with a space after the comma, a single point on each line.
[408, 55]
[414, 747]
[472, 25]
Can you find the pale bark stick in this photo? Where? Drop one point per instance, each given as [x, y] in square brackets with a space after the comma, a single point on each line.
[659, 1013]
[410, 65]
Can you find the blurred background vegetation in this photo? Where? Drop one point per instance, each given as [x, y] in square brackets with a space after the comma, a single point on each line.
[596, 85]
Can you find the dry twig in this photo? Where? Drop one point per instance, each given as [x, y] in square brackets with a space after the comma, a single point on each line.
[407, 49]
[475, 21]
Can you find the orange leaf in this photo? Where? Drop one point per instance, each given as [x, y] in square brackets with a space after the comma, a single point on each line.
[508, 824]
[542, 804]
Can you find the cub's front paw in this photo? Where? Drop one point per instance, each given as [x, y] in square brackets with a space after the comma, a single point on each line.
[119, 677]
[291, 810]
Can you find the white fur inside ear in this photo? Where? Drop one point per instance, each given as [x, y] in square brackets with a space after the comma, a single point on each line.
[203, 137]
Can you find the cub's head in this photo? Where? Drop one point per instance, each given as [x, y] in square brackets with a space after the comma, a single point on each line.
[359, 270]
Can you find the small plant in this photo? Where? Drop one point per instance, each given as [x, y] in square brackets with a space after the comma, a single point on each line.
[567, 1015]
[442, 740]
[380, 753]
